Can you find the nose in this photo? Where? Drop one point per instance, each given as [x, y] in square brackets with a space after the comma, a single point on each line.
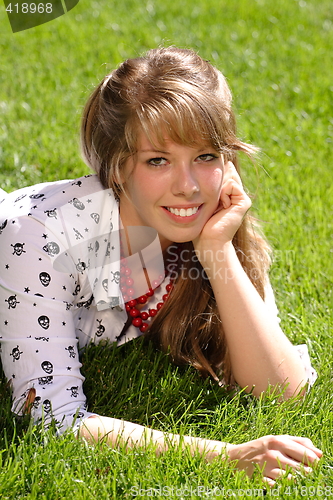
[185, 182]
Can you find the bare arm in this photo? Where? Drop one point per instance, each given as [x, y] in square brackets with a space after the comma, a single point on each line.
[115, 432]
[260, 353]
[273, 454]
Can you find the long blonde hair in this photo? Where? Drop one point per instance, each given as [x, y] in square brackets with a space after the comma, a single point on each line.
[174, 93]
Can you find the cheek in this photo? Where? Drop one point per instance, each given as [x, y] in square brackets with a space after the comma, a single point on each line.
[150, 187]
[215, 182]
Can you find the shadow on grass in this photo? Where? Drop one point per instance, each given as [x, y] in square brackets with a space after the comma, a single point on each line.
[134, 382]
[9, 426]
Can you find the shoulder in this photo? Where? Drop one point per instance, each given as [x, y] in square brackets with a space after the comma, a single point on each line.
[55, 217]
[47, 196]
[46, 202]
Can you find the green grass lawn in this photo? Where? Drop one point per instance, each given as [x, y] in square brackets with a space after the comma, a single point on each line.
[277, 57]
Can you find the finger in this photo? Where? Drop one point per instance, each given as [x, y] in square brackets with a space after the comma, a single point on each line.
[230, 173]
[297, 449]
[308, 444]
[302, 454]
[276, 473]
[226, 194]
[227, 171]
[269, 481]
[282, 464]
[233, 194]
[299, 439]
[288, 464]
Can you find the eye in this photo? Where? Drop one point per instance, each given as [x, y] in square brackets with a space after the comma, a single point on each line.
[207, 157]
[157, 162]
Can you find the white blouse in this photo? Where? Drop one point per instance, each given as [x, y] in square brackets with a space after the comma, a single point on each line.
[60, 290]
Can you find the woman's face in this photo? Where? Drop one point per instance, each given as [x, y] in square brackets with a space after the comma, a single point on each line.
[175, 189]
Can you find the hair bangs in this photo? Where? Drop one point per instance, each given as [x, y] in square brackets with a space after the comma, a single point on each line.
[182, 119]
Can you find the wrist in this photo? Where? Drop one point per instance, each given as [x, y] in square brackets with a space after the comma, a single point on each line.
[214, 252]
[219, 262]
[212, 449]
[232, 452]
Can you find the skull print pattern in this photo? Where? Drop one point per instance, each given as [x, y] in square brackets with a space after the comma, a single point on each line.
[49, 299]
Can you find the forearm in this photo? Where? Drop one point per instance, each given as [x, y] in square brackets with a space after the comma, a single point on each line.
[120, 432]
[272, 454]
[260, 353]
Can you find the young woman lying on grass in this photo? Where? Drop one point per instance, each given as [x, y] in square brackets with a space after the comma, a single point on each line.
[83, 260]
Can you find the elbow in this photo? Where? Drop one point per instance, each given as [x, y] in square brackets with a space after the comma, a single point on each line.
[284, 390]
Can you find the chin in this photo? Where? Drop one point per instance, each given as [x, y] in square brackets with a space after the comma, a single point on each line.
[178, 238]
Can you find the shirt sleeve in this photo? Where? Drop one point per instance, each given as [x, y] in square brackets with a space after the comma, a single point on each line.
[39, 348]
[301, 349]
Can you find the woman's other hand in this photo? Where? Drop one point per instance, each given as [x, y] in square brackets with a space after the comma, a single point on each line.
[275, 456]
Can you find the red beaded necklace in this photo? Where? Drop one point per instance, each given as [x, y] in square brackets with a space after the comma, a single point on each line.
[126, 286]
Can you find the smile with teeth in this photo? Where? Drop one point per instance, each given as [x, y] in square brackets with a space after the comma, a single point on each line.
[183, 212]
